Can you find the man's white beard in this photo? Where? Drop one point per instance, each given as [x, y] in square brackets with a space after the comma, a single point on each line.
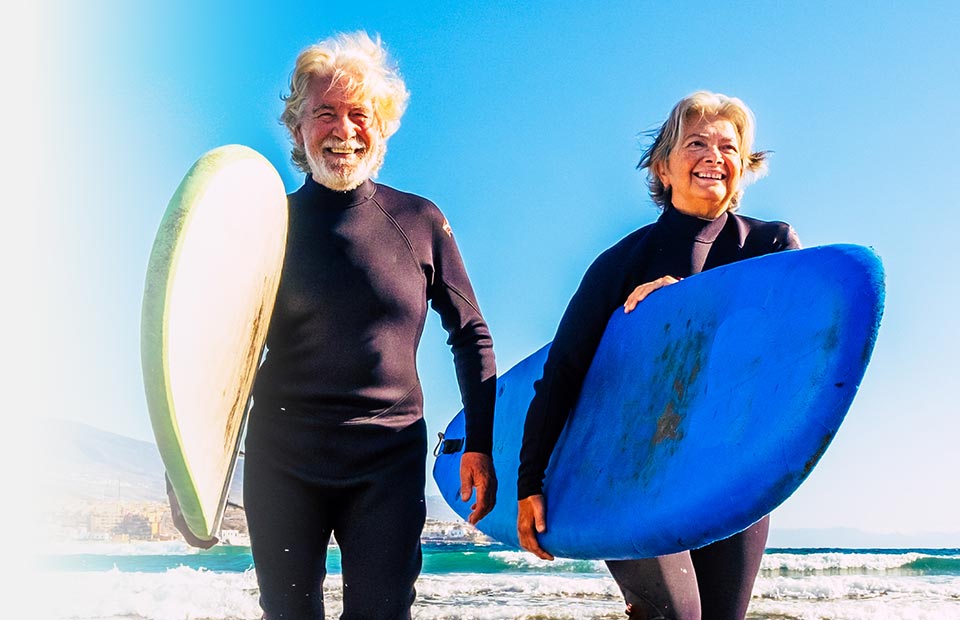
[345, 177]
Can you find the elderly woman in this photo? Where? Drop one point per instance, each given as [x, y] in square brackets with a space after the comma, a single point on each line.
[699, 161]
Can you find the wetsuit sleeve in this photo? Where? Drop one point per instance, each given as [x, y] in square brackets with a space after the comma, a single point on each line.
[452, 296]
[782, 236]
[769, 237]
[789, 240]
[578, 336]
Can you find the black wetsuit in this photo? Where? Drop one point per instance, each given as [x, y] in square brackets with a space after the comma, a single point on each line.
[680, 246]
[336, 442]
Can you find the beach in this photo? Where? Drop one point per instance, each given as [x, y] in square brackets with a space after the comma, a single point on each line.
[170, 581]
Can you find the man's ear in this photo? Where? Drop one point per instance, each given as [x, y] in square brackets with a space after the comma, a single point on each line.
[298, 136]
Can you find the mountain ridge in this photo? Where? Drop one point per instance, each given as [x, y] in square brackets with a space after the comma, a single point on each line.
[90, 464]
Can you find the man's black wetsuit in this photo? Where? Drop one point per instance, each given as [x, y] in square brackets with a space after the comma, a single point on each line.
[336, 441]
[677, 245]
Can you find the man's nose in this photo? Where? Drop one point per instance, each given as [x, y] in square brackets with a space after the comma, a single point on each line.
[344, 128]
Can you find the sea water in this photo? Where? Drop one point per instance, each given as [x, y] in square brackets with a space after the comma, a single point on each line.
[170, 581]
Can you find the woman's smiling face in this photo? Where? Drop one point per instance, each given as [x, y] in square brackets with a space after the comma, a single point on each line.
[704, 169]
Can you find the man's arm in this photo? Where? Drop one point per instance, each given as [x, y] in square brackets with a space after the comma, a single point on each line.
[452, 296]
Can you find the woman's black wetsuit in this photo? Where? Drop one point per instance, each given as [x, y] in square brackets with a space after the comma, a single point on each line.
[336, 442]
[721, 575]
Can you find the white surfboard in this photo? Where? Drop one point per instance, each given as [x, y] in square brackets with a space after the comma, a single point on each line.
[210, 288]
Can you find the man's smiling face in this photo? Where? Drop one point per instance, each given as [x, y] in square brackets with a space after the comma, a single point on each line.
[340, 136]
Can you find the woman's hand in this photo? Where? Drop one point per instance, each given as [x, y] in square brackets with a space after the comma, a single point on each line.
[531, 519]
[640, 293]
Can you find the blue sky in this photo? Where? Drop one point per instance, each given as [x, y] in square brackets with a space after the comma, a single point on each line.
[524, 127]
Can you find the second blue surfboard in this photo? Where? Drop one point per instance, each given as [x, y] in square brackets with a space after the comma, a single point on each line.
[702, 411]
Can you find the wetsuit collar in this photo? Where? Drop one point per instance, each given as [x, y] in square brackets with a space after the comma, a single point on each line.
[342, 200]
[676, 223]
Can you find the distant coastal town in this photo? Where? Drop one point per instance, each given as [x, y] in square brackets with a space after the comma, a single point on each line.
[99, 486]
[120, 522]
[102, 487]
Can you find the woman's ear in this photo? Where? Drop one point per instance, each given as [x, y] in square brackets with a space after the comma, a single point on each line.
[661, 170]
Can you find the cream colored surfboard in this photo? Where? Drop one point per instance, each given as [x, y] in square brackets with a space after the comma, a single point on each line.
[210, 289]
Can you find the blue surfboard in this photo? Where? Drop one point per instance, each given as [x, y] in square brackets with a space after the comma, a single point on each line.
[702, 411]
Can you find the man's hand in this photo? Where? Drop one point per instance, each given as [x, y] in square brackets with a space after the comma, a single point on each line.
[181, 523]
[532, 519]
[476, 470]
[640, 293]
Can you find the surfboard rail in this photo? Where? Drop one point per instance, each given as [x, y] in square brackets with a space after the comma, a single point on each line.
[210, 286]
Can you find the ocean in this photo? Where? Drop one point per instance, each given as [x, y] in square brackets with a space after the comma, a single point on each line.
[170, 581]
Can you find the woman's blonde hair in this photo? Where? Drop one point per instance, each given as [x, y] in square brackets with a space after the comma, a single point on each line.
[699, 105]
[359, 65]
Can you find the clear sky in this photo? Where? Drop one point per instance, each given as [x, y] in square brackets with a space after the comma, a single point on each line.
[524, 127]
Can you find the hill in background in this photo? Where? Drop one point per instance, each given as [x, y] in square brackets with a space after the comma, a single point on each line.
[86, 464]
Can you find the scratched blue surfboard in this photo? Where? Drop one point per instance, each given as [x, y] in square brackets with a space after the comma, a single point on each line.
[702, 411]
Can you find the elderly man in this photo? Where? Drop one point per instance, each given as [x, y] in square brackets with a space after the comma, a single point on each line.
[336, 442]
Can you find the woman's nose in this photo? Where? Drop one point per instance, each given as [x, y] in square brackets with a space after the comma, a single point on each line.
[715, 155]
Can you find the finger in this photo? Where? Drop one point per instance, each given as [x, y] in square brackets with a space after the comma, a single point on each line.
[490, 500]
[540, 523]
[483, 506]
[533, 546]
[477, 512]
[643, 291]
[466, 485]
[526, 542]
[529, 542]
[479, 508]
[538, 551]
[474, 517]
[638, 295]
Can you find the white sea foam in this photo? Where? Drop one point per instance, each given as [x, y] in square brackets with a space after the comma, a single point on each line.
[524, 560]
[826, 562]
[815, 586]
[189, 594]
[858, 597]
[167, 547]
[879, 609]
[177, 594]
[857, 587]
